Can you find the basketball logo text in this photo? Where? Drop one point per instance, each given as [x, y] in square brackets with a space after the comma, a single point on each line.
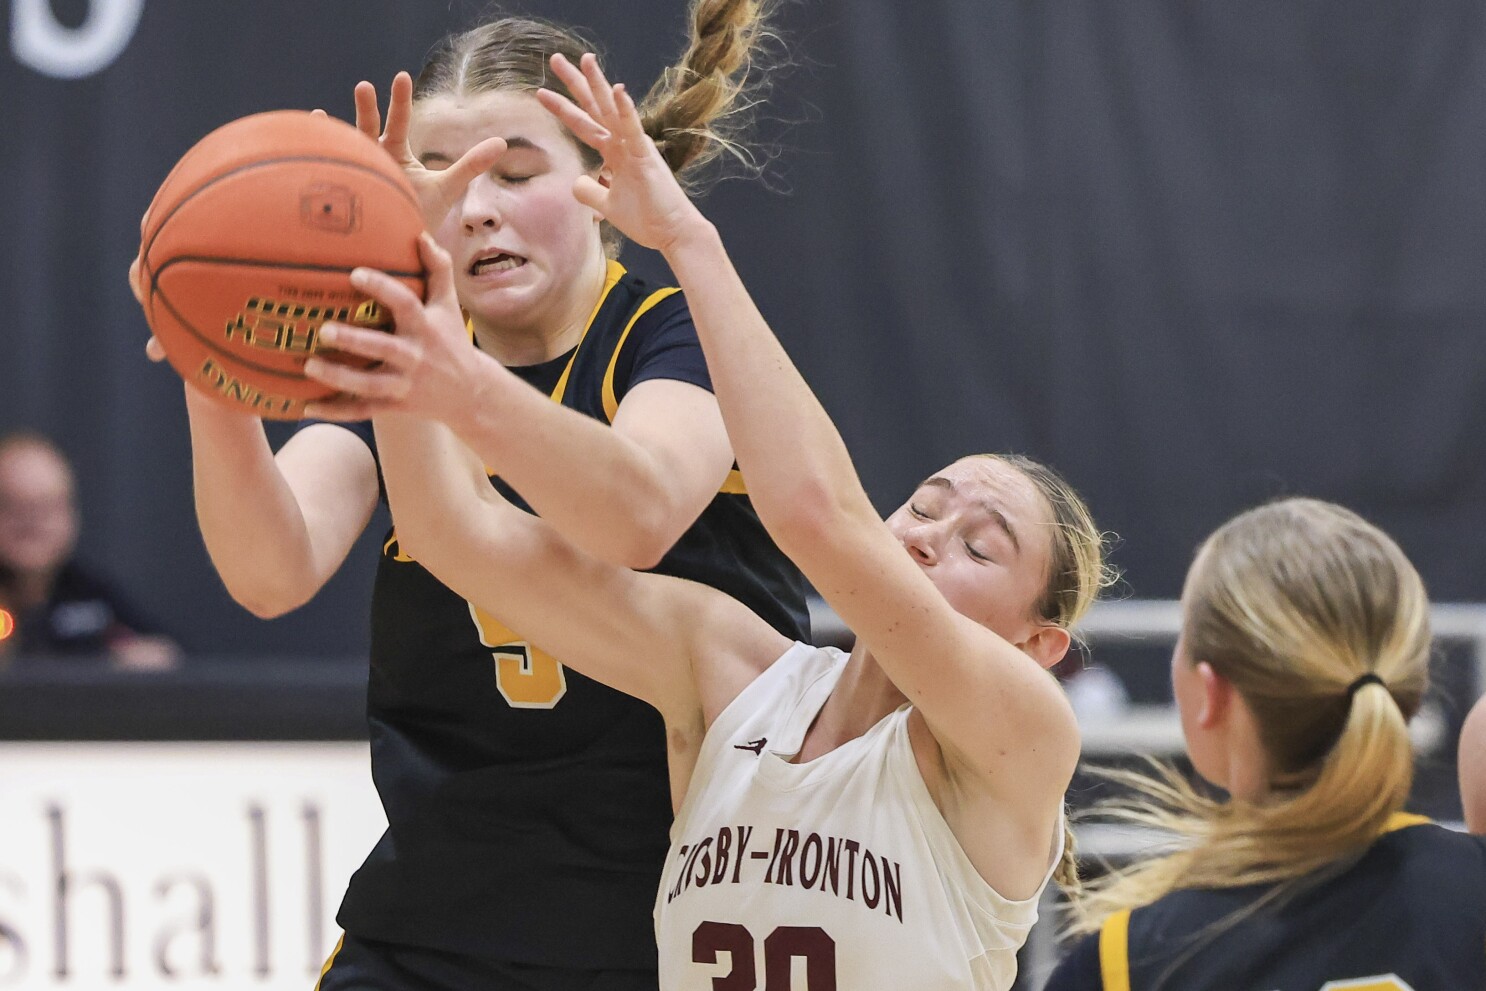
[295, 327]
[225, 384]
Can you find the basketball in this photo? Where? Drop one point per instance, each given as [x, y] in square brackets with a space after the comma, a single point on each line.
[248, 246]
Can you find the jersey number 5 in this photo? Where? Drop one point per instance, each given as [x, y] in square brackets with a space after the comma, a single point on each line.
[781, 948]
[528, 678]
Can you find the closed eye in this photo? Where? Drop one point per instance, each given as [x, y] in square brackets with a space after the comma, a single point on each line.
[914, 510]
[975, 553]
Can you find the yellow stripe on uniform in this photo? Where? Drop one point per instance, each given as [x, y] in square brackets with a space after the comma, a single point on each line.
[612, 275]
[326, 969]
[1403, 820]
[1114, 951]
[734, 484]
[611, 405]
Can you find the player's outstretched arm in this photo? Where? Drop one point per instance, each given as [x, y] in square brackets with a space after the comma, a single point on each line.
[275, 526]
[683, 647]
[625, 493]
[998, 717]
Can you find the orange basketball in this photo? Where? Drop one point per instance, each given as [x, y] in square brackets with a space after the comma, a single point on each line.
[249, 244]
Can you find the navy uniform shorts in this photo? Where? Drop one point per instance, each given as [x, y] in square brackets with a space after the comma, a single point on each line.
[368, 965]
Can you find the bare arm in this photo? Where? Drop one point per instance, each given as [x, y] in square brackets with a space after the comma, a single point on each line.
[681, 646]
[999, 718]
[1472, 766]
[277, 527]
[625, 493]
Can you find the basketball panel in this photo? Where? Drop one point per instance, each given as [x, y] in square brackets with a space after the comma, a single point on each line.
[318, 213]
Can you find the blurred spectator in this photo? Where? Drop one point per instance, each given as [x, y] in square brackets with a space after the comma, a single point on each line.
[1473, 768]
[50, 607]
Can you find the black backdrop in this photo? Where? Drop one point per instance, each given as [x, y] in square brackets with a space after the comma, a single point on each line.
[1194, 255]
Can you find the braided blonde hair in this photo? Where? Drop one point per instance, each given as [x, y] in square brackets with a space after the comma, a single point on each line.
[695, 112]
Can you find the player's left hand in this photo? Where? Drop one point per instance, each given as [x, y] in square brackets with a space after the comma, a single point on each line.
[642, 197]
[438, 189]
[428, 367]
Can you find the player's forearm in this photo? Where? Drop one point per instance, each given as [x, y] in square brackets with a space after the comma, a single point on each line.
[598, 488]
[799, 472]
[612, 624]
[250, 521]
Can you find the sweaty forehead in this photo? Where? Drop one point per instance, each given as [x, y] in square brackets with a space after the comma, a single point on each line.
[998, 480]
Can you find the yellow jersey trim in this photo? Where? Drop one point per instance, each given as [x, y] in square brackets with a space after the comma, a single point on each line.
[326, 969]
[611, 404]
[734, 484]
[1114, 951]
[612, 274]
[1403, 820]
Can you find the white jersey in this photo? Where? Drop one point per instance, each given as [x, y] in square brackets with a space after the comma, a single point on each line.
[840, 871]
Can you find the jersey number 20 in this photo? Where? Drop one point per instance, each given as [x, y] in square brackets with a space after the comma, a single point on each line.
[528, 678]
[782, 946]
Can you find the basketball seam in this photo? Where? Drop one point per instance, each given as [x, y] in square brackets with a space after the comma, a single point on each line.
[413, 200]
[297, 266]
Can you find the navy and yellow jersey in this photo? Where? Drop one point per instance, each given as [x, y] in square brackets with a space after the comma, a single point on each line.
[1410, 915]
[528, 806]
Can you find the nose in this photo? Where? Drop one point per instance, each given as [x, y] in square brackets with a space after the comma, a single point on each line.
[480, 208]
[919, 541]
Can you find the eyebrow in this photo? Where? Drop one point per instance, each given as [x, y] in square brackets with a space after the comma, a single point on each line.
[514, 143]
[940, 482]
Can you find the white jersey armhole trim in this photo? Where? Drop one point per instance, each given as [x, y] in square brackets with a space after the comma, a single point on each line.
[731, 720]
[942, 837]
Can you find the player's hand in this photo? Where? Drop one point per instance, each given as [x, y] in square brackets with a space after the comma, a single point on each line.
[428, 367]
[153, 349]
[643, 198]
[438, 189]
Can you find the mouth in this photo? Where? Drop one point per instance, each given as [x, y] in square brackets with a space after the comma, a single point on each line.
[495, 262]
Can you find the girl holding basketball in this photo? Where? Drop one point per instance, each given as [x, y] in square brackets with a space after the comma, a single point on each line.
[1304, 651]
[881, 820]
[527, 804]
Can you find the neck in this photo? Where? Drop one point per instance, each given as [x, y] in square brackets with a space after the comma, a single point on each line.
[1248, 763]
[865, 691]
[552, 332]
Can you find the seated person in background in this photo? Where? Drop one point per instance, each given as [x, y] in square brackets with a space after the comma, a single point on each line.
[51, 606]
[1473, 768]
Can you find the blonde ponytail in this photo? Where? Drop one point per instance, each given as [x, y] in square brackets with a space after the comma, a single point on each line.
[1322, 625]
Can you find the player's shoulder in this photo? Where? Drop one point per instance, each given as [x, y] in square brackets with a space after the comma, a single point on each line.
[640, 303]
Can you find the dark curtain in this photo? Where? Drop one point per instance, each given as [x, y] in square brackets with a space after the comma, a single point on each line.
[1194, 255]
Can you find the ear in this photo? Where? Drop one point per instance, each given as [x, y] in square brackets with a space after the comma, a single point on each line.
[1217, 696]
[1047, 645]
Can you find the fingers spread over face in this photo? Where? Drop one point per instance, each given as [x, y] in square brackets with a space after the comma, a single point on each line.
[368, 114]
[481, 158]
[575, 119]
[399, 110]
